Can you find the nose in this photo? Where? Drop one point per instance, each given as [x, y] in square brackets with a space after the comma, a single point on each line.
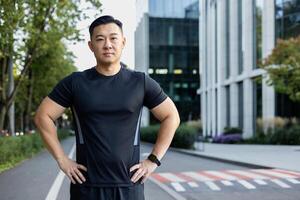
[107, 44]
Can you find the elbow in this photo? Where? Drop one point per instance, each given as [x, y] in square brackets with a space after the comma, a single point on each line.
[178, 119]
[36, 119]
[175, 118]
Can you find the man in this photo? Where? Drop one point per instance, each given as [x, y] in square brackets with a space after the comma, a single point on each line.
[106, 102]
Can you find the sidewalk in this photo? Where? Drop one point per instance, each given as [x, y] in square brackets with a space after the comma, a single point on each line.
[269, 156]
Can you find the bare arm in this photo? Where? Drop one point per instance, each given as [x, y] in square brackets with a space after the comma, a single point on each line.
[44, 119]
[167, 114]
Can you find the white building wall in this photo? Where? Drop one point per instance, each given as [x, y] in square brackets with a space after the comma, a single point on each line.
[248, 47]
[213, 55]
[142, 47]
[209, 35]
[202, 61]
[234, 61]
[268, 41]
[221, 65]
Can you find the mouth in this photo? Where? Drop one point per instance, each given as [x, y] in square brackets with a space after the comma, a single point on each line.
[108, 54]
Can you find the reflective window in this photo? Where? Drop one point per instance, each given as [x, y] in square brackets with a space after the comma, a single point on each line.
[174, 8]
[258, 30]
[287, 14]
[174, 50]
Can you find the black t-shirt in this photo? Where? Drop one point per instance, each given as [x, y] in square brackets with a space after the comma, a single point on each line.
[107, 114]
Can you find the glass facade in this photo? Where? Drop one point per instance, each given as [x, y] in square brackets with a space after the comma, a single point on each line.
[227, 69]
[240, 37]
[258, 31]
[227, 93]
[257, 101]
[174, 53]
[174, 8]
[287, 16]
[241, 105]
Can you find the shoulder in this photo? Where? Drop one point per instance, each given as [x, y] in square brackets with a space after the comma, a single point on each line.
[134, 73]
[79, 75]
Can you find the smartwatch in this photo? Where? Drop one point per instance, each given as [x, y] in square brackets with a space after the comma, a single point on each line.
[154, 159]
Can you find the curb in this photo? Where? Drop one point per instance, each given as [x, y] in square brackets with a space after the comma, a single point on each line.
[191, 153]
[224, 160]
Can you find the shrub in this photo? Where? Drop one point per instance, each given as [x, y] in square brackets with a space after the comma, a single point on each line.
[184, 137]
[232, 130]
[15, 149]
[288, 135]
[196, 124]
[228, 139]
[149, 133]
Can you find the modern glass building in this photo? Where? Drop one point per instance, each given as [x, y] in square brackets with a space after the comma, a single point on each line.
[234, 36]
[167, 47]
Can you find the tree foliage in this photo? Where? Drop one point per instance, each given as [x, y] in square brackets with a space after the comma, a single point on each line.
[283, 67]
[31, 37]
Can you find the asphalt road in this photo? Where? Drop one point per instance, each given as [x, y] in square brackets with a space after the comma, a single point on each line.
[179, 177]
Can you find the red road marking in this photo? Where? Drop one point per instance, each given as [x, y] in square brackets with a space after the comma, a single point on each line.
[240, 176]
[286, 172]
[214, 177]
[185, 177]
[160, 178]
[267, 175]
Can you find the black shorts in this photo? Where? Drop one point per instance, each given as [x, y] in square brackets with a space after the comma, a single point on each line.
[135, 192]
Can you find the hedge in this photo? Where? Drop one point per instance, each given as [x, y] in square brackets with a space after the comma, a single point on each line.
[285, 136]
[185, 136]
[15, 149]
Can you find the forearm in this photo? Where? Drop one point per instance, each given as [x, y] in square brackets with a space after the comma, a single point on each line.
[48, 134]
[165, 135]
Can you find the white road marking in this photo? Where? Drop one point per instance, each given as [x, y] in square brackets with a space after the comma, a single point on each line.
[295, 181]
[273, 173]
[246, 184]
[227, 183]
[197, 176]
[249, 174]
[260, 182]
[172, 177]
[212, 185]
[222, 175]
[178, 187]
[193, 184]
[171, 192]
[280, 183]
[53, 192]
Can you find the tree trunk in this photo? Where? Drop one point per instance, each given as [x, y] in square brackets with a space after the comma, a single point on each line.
[22, 128]
[3, 93]
[29, 104]
[11, 108]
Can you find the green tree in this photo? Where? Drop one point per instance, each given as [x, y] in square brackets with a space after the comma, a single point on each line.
[283, 67]
[27, 28]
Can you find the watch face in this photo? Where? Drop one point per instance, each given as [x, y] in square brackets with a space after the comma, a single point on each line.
[154, 159]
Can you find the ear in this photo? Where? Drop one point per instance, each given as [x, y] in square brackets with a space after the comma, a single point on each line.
[124, 42]
[91, 46]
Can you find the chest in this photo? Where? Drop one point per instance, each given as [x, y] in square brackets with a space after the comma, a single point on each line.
[109, 97]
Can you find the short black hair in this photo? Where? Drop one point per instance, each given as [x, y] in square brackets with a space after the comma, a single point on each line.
[105, 19]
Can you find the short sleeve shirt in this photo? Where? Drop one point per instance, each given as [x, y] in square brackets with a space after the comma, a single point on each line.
[107, 115]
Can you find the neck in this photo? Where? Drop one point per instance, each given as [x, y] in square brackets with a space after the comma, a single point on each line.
[108, 70]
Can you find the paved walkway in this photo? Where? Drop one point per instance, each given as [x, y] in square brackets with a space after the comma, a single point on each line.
[270, 156]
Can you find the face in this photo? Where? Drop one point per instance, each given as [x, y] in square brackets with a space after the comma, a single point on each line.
[107, 43]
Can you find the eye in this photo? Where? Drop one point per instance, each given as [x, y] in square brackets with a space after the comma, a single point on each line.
[99, 39]
[114, 38]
